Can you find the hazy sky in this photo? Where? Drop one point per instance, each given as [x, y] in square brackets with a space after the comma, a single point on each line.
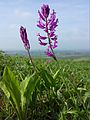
[73, 28]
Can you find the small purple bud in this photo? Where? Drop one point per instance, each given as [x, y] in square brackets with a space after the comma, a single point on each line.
[45, 10]
[48, 53]
[23, 35]
[51, 34]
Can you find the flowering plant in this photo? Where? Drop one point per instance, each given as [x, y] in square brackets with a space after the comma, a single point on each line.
[23, 35]
[48, 22]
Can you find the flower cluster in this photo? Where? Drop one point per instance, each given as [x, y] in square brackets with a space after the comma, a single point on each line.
[48, 22]
[23, 35]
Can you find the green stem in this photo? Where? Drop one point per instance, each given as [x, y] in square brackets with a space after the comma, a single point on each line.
[31, 59]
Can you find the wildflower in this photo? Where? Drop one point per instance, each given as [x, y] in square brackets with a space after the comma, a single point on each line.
[23, 35]
[48, 22]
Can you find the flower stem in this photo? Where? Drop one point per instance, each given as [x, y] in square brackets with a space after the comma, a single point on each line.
[31, 59]
[50, 42]
[52, 49]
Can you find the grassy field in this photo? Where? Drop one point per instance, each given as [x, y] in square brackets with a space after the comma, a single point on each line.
[56, 91]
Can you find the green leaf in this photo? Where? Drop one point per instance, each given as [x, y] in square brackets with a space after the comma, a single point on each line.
[27, 88]
[4, 88]
[72, 112]
[80, 88]
[86, 97]
[49, 81]
[13, 88]
[56, 74]
[33, 80]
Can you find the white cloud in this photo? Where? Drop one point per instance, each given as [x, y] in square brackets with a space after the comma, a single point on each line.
[20, 13]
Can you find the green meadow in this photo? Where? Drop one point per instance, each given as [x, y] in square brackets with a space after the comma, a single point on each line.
[54, 91]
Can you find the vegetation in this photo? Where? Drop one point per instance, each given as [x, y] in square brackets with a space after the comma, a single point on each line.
[55, 91]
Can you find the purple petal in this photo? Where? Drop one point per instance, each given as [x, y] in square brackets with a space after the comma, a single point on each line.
[41, 24]
[43, 37]
[52, 17]
[48, 53]
[46, 29]
[53, 26]
[52, 21]
[51, 34]
[55, 44]
[42, 43]
[54, 38]
[41, 16]
[45, 10]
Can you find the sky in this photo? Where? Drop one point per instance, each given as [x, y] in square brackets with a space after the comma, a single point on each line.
[73, 27]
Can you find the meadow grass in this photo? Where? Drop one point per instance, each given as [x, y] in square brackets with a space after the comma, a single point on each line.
[62, 92]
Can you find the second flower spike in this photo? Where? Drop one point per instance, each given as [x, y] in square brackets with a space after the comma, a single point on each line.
[23, 35]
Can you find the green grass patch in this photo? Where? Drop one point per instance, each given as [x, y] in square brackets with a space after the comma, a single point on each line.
[61, 91]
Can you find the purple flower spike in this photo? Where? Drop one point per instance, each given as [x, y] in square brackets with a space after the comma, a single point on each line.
[48, 22]
[23, 35]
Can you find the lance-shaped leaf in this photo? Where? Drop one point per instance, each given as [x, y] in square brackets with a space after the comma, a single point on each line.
[12, 86]
[55, 76]
[27, 87]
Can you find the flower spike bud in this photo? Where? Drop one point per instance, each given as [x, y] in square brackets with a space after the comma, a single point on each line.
[23, 35]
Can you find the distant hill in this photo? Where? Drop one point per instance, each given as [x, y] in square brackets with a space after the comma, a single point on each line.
[61, 54]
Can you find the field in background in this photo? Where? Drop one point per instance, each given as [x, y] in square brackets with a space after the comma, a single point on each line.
[59, 53]
[69, 99]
